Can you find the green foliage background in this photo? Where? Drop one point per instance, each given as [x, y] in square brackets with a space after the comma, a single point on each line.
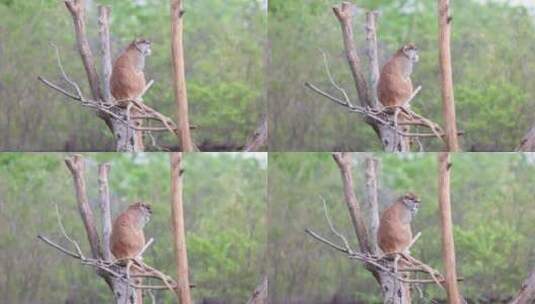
[224, 46]
[492, 209]
[225, 207]
[493, 71]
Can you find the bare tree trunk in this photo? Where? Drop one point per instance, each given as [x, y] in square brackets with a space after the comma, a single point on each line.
[179, 75]
[343, 160]
[259, 137]
[183, 288]
[448, 246]
[448, 101]
[528, 142]
[105, 50]
[77, 10]
[260, 294]
[344, 13]
[371, 204]
[103, 170]
[77, 167]
[526, 295]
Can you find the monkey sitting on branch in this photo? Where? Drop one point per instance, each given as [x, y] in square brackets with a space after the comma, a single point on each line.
[127, 82]
[395, 86]
[395, 234]
[127, 238]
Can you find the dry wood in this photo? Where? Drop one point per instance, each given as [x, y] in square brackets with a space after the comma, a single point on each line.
[77, 10]
[448, 246]
[76, 166]
[371, 204]
[448, 101]
[526, 294]
[105, 50]
[344, 162]
[259, 137]
[179, 232]
[528, 142]
[260, 294]
[179, 76]
[105, 209]
[344, 13]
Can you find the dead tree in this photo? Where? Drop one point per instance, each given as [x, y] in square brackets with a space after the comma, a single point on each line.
[391, 271]
[179, 76]
[179, 230]
[528, 142]
[448, 246]
[259, 138]
[126, 129]
[114, 272]
[260, 294]
[526, 294]
[448, 101]
[384, 121]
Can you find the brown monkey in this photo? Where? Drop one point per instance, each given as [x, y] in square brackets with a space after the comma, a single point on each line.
[395, 85]
[127, 78]
[127, 237]
[395, 233]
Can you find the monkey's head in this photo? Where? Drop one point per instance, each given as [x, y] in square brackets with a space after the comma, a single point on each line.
[410, 51]
[143, 212]
[411, 202]
[142, 45]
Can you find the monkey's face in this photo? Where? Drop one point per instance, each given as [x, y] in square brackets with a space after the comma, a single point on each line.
[144, 210]
[143, 46]
[412, 202]
[411, 51]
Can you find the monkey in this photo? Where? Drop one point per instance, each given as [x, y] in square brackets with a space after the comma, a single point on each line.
[395, 85]
[127, 79]
[394, 234]
[127, 236]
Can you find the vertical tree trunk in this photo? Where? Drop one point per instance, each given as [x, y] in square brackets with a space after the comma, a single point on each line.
[372, 205]
[448, 247]
[183, 289]
[528, 142]
[526, 295]
[76, 166]
[343, 160]
[179, 76]
[448, 101]
[103, 170]
[77, 10]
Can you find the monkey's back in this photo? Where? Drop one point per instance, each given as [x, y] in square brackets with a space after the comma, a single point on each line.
[393, 88]
[126, 81]
[393, 235]
[126, 239]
